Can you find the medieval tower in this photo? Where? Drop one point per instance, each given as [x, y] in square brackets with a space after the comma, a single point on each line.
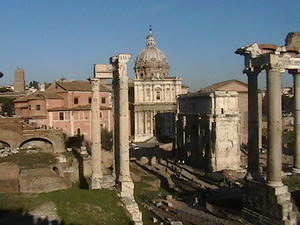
[19, 83]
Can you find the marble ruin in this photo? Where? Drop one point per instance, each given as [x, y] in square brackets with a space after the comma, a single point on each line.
[208, 130]
[269, 201]
[116, 70]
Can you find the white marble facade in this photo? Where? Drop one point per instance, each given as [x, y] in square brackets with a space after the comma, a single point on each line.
[155, 94]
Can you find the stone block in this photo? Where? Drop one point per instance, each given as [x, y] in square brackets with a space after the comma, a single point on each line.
[278, 190]
[9, 170]
[270, 203]
[169, 197]
[9, 177]
[61, 158]
[169, 204]
[152, 161]
[176, 223]
[40, 180]
[126, 189]
[143, 160]
[9, 186]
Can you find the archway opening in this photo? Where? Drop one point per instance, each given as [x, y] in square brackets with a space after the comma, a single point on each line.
[39, 144]
[4, 145]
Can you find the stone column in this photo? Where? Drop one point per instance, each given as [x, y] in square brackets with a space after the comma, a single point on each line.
[199, 139]
[274, 155]
[296, 74]
[183, 130]
[253, 127]
[120, 82]
[96, 135]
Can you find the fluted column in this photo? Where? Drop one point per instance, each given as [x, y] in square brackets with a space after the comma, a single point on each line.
[96, 135]
[253, 127]
[274, 155]
[120, 82]
[296, 74]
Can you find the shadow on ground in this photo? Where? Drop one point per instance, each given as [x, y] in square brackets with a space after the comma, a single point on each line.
[150, 152]
[19, 217]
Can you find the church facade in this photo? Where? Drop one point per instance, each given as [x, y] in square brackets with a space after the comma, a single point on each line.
[154, 95]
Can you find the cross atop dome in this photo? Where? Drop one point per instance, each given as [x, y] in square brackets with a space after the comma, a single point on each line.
[150, 41]
[151, 62]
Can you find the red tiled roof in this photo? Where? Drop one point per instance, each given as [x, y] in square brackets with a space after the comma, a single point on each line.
[39, 95]
[219, 85]
[81, 85]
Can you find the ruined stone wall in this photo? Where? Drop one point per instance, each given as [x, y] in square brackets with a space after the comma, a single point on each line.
[226, 149]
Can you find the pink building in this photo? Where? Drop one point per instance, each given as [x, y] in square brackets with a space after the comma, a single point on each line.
[66, 105]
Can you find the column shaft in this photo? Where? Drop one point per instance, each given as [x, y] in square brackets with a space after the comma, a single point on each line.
[96, 130]
[121, 109]
[274, 155]
[124, 131]
[253, 133]
[297, 121]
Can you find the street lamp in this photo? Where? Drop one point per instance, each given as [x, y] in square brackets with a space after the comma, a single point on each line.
[1, 74]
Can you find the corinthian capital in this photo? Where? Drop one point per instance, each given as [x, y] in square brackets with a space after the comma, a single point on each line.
[276, 67]
[95, 83]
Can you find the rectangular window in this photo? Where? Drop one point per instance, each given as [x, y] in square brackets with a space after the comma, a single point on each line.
[100, 114]
[90, 100]
[76, 100]
[158, 95]
[61, 115]
[103, 100]
[38, 107]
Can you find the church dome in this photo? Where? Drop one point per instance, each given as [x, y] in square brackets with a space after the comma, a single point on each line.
[151, 62]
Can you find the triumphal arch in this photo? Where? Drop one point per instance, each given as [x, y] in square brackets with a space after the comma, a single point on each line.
[268, 201]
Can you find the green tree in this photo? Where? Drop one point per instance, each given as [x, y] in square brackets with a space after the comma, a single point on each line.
[7, 106]
[106, 139]
[287, 104]
[4, 89]
[34, 84]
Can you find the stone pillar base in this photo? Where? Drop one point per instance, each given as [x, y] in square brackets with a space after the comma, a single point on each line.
[133, 210]
[126, 188]
[126, 192]
[267, 205]
[107, 182]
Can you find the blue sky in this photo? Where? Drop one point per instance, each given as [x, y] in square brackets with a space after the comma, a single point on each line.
[51, 39]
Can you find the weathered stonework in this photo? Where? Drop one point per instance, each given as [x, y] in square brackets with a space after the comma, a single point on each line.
[117, 69]
[268, 205]
[19, 82]
[207, 131]
[15, 133]
[9, 177]
[268, 202]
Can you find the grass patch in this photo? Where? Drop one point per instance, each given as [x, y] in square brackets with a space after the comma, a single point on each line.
[293, 182]
[74, 206]
[31, 160]
[144, 195]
